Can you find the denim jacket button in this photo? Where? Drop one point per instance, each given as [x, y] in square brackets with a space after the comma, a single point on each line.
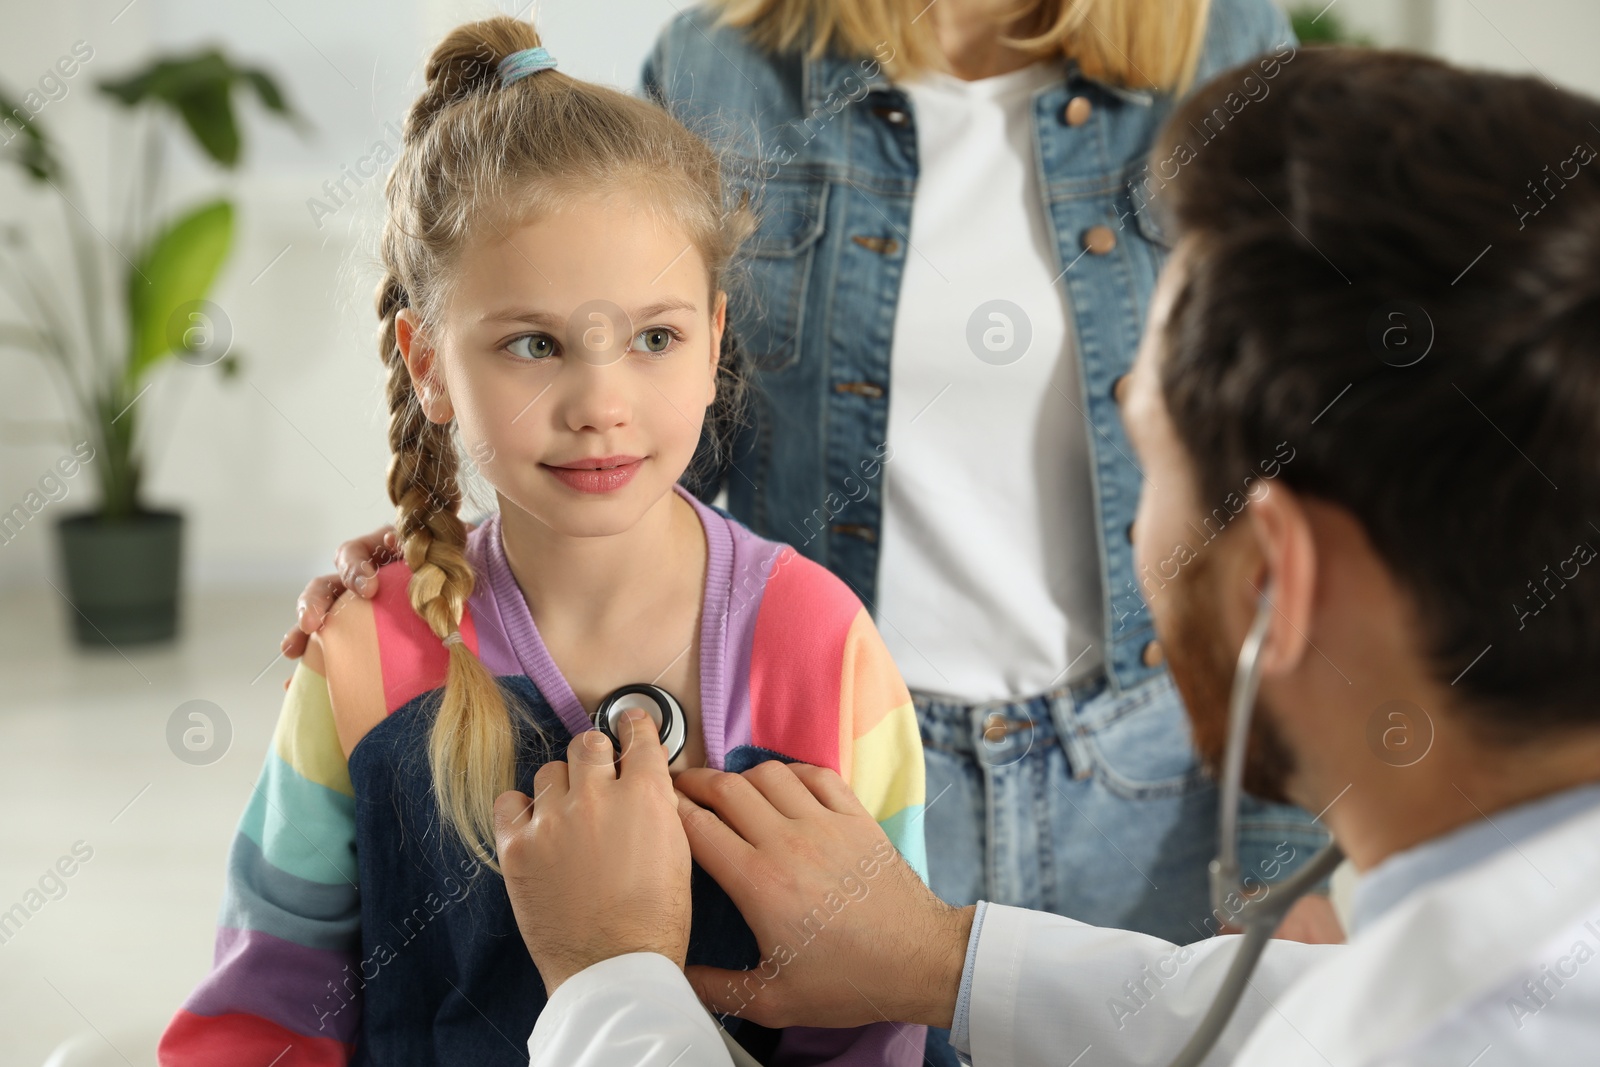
[858, 530]
[1077, 111]
[884, 246]
[867, 389]
[1099, 239]
[892, 115]
[1153, 655]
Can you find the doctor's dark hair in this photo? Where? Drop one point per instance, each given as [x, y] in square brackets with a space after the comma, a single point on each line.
[1396, 269]
[478, 156]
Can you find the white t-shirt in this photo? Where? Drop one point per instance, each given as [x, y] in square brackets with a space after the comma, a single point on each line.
[989, 579]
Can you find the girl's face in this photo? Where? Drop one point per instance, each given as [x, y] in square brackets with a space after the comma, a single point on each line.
[578, 354]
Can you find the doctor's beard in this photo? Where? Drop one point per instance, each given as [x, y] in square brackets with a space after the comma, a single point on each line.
[1203, 666]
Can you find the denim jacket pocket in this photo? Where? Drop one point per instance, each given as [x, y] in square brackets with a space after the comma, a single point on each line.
[1141, 747]
[789, 212]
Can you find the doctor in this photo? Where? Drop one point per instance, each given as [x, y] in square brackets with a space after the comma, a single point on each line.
[1367, 411]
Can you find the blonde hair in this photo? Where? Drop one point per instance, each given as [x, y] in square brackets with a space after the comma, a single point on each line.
[1143, 45]
[477, 155]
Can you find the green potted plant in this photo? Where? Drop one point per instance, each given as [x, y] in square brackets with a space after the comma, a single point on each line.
[106, 343]
[1315, 24]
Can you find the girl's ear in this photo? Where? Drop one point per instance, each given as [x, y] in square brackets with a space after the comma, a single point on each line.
[719, 323]
[421, 360]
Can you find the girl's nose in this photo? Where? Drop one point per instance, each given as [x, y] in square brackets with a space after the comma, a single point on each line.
[595, 395]
[595, 375]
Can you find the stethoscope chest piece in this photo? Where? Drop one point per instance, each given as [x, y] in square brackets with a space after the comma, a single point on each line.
[662, 706]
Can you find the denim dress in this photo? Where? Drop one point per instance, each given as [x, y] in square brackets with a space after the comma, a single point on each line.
[1088, 800]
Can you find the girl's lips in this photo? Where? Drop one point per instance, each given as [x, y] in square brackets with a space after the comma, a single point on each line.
[604, 474]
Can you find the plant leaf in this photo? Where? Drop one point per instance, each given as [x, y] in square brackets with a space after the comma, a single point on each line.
[35, 155]
[209, 115]
[180, 265]
[197, 88]
[272, 98]
[267, 90]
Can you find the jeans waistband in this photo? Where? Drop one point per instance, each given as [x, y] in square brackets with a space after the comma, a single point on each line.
[1069, 713]
[1003, 731]
[1075, 693]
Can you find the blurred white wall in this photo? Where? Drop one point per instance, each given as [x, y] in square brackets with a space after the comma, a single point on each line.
[1555, 39]
[275, 468]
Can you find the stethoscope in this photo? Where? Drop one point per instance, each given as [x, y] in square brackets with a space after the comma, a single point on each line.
[1259, 915]
[1262, 915]
[662, 706]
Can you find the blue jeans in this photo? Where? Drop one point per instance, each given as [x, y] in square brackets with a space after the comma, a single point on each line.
[1085, 803]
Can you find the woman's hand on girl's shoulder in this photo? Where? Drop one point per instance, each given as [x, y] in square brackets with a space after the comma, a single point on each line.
[357, 563]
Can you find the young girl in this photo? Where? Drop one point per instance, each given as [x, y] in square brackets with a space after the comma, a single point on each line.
[553, 305]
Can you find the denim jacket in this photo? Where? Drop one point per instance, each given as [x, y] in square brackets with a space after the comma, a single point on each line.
[827, 149]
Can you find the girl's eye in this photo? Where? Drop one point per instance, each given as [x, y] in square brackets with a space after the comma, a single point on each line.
[539, 346]
[655, 339]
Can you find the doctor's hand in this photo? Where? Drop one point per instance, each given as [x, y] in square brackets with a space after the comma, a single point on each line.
[848, 932]
[596, 864]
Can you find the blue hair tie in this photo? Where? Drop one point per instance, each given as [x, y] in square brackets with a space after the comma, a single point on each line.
[519, 65]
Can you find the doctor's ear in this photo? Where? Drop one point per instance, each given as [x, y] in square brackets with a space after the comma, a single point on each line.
[1285, 576]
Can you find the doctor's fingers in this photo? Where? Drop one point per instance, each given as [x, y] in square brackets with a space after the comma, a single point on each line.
[724, 855]
[644, 757]
[780, 783]
[830, 789]
[550, 783]
[591, 761]
[738, 802]
[513, 811]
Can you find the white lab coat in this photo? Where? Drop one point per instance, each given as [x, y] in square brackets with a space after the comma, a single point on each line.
[1437, 980]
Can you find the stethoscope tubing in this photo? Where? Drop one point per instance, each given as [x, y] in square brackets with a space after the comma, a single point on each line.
[1262, 915]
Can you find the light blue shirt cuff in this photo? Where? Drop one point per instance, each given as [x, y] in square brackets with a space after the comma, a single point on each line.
[958, 1025]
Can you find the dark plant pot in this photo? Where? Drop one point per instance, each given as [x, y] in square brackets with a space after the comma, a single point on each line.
[122, 576]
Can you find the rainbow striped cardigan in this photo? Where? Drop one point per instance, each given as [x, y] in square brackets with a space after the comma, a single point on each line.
[352, 931]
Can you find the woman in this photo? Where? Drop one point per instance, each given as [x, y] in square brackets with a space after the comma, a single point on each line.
[958, 243]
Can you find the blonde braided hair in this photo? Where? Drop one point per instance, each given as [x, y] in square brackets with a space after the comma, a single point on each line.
[475, 155]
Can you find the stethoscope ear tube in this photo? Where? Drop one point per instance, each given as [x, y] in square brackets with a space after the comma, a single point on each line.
[1258, 928]
[662, 706]
[1259, 916]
